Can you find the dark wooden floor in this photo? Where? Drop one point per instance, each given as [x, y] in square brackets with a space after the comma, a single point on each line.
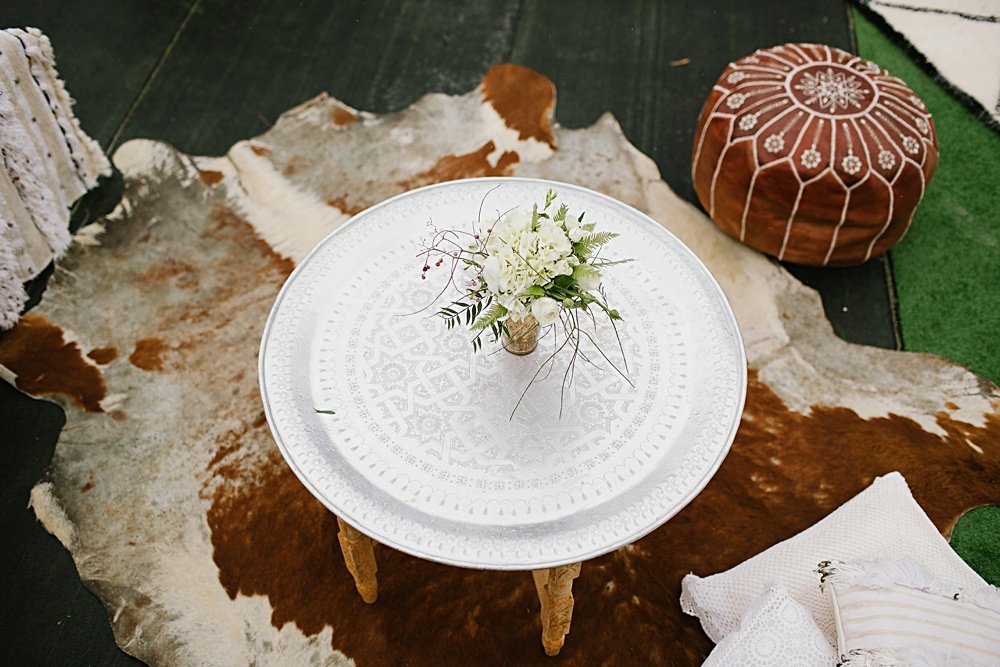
[202, 74]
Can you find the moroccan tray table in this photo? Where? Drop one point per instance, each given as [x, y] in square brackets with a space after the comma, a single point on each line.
[411, 438]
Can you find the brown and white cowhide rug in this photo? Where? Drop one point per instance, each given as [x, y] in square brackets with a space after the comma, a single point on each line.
[177, 507]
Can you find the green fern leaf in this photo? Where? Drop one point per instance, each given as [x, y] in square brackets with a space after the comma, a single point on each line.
[490, 317]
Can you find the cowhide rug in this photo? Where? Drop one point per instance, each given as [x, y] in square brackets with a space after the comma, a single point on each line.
[182, 517]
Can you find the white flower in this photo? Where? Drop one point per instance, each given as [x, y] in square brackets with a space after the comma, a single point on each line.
[553, 244]
[517, 310]
[508, 230]
[545, 310]
[574, 229]
[587, 277]
[492, 270]
[505, 272]
[563, 266]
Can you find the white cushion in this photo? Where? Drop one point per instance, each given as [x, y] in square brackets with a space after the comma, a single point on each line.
[883, 521]
[777, 632]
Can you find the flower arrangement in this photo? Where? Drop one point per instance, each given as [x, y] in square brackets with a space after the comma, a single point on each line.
[522, 272]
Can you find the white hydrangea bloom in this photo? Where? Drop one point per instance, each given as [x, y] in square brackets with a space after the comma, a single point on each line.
[553, 244]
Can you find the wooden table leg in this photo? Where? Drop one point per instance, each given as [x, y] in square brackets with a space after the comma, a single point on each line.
[360, 559]
[555, 592]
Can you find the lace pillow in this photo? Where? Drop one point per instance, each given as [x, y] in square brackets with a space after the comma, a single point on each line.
[883, 521]
[891, 613]
[776, 631]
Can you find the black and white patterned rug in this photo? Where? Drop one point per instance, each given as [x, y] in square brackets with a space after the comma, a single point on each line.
[958, 42]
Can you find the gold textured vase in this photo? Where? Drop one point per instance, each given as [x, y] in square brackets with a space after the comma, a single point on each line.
[522, 336]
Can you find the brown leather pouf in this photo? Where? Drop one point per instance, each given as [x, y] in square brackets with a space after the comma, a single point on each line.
[813, 155]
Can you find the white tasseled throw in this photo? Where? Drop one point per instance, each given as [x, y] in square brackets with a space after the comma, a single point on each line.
[48, 162]
[895, 613]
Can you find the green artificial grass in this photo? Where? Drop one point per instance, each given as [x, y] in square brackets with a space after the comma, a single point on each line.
[947, 268]
[976, 538]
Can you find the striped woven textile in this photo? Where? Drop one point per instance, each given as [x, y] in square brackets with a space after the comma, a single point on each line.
[888, 624]
[48, 163]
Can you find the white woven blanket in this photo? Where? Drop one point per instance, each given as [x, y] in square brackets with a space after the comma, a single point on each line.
[48, 163]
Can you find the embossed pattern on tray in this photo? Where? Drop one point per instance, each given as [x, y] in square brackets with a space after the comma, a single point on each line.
[422, 453]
